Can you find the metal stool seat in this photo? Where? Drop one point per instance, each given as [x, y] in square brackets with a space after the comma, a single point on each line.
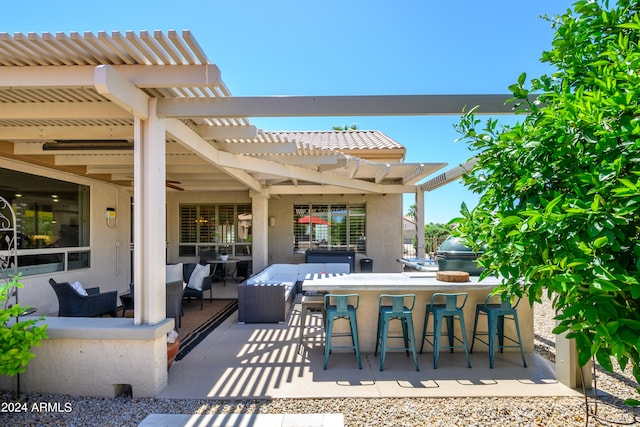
[310, 303]
[496, 314]
[396, 311]
[450, 310]
[338, 307]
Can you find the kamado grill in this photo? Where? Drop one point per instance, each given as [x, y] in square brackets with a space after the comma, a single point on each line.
[454, 255]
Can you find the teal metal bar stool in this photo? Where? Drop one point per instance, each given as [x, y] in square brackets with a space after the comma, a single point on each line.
[496, 314]
[398, 310]
[450, 310]
[338, 307]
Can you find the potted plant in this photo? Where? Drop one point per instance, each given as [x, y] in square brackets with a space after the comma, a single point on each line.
[17, 337]
[173, 345]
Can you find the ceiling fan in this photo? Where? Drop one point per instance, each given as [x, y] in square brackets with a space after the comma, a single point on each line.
[171, 184]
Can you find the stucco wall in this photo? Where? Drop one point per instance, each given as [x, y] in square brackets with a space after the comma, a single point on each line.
[97, 357]
[384, 228]
[384, 224]
[174, 199]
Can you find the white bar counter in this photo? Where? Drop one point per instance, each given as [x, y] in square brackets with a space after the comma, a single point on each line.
[423, 284]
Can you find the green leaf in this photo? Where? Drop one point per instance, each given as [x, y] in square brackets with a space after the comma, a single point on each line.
[510, 220]
[560, 329]
[604, 359]
[627, 183]
[600, 242]
[583, 357]
[605, 285]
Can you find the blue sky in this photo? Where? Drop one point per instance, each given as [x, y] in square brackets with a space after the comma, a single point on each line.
[333, 47]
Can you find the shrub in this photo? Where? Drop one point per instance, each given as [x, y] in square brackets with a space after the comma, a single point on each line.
[17, 337]
[560, 191]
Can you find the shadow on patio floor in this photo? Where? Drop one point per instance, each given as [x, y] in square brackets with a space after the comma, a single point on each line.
[263, 361]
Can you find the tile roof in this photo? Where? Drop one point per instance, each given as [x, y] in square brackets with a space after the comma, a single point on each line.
[343, 140]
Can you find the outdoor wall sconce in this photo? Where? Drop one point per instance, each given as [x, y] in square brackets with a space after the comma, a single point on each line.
[272, 221]
[110, 214]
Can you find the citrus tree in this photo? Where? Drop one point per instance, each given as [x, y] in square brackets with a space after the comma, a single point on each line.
[559, 207]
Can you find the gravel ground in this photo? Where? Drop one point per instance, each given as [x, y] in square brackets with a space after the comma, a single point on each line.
[123, 411]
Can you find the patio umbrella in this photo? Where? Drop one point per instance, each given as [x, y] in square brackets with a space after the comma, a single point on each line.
[309, 219]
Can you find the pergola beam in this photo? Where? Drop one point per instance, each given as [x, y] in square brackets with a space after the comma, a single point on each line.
[323, 106]
[34, 133]
[277, 189]
[107, 132]
[258, 148]
[63, 111]
[237, 165]
[447, 176]
[187, 137]
[115, 87]
[334, 160]
[143, 76]
[228, 132]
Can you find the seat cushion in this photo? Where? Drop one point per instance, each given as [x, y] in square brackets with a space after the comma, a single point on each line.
[79, 288]
[174, 273]
[337, 267]
[309, 268]
[198, 275]
[288, 270]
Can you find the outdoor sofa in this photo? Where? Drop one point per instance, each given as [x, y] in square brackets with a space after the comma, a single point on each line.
[267, 296]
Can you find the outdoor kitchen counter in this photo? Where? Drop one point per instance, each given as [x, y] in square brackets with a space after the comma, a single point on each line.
[423, 284]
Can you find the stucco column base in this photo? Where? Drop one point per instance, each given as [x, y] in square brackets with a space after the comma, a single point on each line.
[568, 371]
[97, 357]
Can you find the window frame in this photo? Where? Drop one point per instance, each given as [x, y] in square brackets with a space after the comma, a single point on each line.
[46, 252]
[322, 232]
[226, 235]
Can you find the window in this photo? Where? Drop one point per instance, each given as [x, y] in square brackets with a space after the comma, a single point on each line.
[52, 222]
[223, 228]
[337, 226]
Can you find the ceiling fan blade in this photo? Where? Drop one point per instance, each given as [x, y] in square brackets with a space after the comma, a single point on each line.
[171, 184]
[175, 187]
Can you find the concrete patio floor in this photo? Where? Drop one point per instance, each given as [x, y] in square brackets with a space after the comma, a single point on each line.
[263, 361]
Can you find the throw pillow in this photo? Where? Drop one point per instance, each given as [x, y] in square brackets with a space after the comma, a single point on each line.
[79, 288]
[174, 273]
[198, 275]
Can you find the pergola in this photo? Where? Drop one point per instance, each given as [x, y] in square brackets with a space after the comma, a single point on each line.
[149, 110]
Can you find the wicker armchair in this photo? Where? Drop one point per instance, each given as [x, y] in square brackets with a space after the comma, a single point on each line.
[174, 302]
[242, 270]
[72, 304]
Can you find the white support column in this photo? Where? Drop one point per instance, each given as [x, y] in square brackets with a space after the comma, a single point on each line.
[149, 199]
[260, 226]
[420, 222]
